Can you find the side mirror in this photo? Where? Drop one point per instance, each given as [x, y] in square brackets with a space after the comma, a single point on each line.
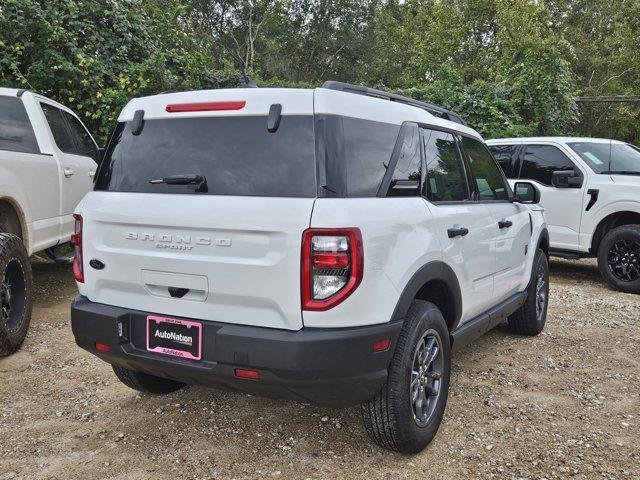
[526, 192]
[566, 179]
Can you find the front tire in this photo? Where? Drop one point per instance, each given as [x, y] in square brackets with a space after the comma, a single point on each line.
[146, 383]
[406, 414]
[16, 287]
[531, 318]
[619, 258]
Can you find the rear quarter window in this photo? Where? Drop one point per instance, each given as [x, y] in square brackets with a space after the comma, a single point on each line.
[16, 132]
[236, 155]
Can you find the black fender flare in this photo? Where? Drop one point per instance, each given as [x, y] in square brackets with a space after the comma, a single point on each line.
[436, 270]
[544, 235]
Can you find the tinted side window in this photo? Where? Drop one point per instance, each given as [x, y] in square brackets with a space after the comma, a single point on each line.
[368, 148]
[408, 165]
[505, 156]
[540, 161]
[489, 181]
[58, 127]
[16, 133]
[84, 143]
[446, 180]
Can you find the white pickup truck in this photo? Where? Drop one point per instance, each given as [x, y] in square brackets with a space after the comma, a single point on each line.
[47, 163]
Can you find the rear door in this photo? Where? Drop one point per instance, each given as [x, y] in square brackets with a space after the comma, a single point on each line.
[465, 228]
[226, 248]
[511, 222]
[78, 154]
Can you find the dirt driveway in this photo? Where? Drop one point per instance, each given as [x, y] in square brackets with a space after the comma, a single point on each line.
[563, 405]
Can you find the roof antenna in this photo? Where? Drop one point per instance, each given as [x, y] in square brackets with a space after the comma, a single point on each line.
[246, 81]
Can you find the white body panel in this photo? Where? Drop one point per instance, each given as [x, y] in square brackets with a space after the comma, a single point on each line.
[36, 185]
[571, 226]
[241, 255]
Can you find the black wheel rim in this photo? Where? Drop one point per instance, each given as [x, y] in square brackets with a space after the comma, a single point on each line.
[624, 260]
[542, 293]
[426, 377]
[12, 294]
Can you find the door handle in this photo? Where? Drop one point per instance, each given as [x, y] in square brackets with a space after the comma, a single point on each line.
[457, 232]
[68, 172]
[505, 224]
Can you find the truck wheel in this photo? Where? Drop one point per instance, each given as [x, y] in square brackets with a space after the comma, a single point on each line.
[532, 316]
[405, 415]
[619, 258]
[15, 293]
[146, 383]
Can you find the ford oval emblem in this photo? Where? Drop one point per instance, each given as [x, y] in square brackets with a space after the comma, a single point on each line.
[97, 264]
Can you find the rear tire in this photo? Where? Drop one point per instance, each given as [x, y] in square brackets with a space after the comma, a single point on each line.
[531, 318]
[146, 383]
[16, 290]
[406, 414]
[619, 258]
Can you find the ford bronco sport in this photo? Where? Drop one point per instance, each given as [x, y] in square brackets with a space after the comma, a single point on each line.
[590, 189]
[328, 245]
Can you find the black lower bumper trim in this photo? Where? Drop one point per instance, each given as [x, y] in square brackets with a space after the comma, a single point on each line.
[332, 367]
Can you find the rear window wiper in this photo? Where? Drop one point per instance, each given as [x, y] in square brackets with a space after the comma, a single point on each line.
[187, 179]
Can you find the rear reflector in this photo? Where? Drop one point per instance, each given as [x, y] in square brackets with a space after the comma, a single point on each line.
[205, 106]
[381, 345]
[249, 374]
[102, 347]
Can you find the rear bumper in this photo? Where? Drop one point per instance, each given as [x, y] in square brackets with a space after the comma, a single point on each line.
[331, 367]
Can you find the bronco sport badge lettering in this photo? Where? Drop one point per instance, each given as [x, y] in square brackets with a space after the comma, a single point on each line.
[177, 242]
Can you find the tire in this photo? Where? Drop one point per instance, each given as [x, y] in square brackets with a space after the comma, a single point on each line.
[390, 418]
[16, 293]
[619, 258]
[531, 318]
[146, 383]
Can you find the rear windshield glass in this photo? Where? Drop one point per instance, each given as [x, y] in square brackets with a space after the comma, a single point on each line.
[236, 156]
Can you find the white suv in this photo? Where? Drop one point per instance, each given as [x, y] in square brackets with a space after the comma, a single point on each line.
[327, 245]
[590, 189]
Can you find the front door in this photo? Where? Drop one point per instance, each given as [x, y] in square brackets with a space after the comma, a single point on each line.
[563, 205]
[511, 228]
[464, 227]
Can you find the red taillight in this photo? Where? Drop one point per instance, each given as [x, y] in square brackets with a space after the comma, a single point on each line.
[205, 106]
[102, 347]
[332, 266]
[248, 374]
[76, 241]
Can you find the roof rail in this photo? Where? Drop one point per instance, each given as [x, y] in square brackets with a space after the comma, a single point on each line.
[372, 92]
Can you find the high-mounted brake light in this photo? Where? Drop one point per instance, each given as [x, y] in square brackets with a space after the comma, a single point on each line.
[76, 241]
[206, 106]
[332, 266]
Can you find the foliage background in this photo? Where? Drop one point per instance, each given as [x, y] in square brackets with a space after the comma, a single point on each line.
[509, 67]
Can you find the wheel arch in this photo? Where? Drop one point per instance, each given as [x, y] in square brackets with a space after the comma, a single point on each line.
[611, 221]
[16, 221]
[435, 282]
[543, 241]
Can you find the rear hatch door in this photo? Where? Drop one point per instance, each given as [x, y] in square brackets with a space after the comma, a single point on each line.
[225, 250]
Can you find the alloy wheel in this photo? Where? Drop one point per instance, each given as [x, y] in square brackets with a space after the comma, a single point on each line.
[426, 377]
[624, 260]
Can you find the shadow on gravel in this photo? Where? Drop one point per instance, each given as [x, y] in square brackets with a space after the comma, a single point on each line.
[575, 270]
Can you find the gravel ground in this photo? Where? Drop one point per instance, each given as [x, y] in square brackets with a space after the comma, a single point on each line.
[565, 404]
